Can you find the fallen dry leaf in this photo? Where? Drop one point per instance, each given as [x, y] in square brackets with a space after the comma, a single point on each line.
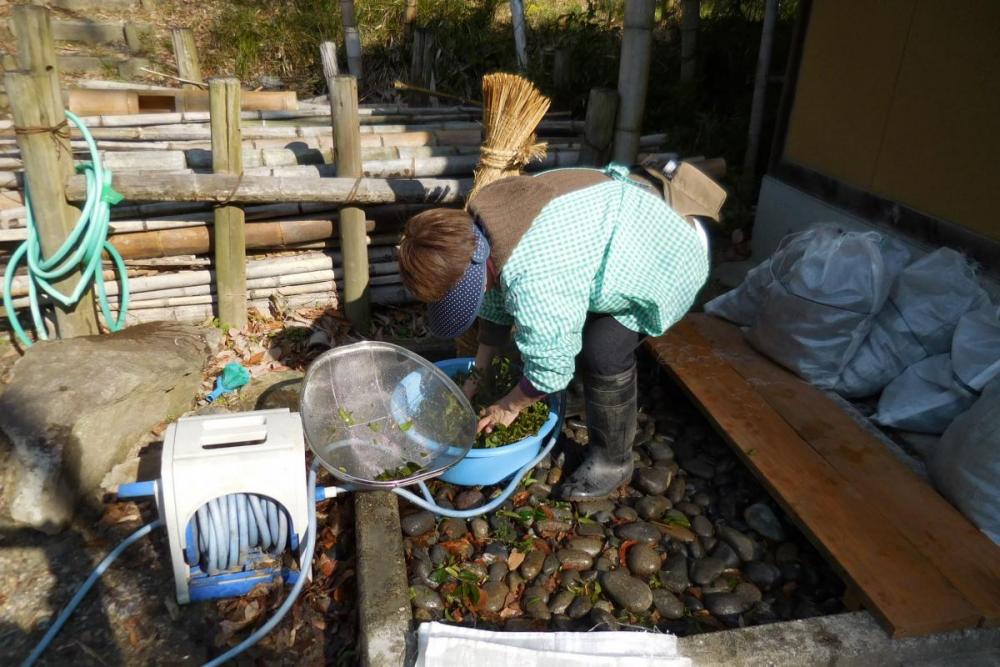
[515, 559]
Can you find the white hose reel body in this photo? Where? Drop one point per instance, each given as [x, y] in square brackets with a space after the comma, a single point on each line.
[211, 456]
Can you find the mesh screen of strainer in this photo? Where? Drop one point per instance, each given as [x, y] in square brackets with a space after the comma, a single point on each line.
[379, 415]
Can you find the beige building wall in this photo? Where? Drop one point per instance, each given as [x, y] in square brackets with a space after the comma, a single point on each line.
[901, 98]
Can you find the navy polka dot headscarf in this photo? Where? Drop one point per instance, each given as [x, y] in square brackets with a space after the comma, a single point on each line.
[457, 310]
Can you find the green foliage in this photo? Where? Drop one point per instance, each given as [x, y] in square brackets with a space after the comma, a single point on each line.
[467, 582]
[494, 385]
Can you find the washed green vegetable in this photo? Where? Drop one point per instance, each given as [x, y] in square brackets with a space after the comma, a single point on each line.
[494, 385]
[408, 469]
[346, 416]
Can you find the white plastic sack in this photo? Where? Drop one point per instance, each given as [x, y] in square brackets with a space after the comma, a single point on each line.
[965, 466]
[932, 392]
[918, 320]
[820, 303]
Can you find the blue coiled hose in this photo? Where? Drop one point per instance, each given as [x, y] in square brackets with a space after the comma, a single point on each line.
[225, 529]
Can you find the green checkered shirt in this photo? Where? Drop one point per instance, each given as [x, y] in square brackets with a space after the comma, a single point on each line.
[610, 248]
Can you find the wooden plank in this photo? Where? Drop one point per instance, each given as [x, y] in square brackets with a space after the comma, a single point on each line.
[229, 230]
[960, 551]
[901, 587]
[186, 54]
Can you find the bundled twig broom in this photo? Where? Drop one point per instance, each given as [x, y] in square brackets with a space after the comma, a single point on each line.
[512, 109]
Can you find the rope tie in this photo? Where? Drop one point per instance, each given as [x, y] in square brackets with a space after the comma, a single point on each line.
[58, 131]
[232, 193]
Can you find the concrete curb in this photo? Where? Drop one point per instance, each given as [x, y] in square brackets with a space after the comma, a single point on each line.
[384, 614]
[842, 640]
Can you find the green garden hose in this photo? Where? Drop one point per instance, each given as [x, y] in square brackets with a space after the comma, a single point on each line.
[81, 251]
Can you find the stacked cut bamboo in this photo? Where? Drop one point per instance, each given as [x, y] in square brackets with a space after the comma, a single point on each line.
[292, 246]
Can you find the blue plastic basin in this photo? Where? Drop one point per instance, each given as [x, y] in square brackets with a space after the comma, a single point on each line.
[488, 466]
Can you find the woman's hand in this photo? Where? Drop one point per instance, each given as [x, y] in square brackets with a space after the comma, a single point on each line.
[470, 387]
[504, 411]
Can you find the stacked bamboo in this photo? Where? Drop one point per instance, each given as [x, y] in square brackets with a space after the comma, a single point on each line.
[293, 247]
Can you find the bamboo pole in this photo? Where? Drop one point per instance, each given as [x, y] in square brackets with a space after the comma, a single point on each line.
[759, 94]
[633, 78]
[328, 54]
[520, 41]
[229, 231]
[344, 111]
[37, 106]
[352, 39]
[690, 10]
[186, 54]
[599, 128]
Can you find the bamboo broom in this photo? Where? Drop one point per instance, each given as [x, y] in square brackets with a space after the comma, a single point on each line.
[512, 110]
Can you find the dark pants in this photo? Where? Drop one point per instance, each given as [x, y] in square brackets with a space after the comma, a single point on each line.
[608, 347]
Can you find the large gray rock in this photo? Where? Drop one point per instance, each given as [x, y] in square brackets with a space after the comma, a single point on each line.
[73, 408]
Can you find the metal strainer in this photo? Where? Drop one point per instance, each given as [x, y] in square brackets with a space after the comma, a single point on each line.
[380, 416]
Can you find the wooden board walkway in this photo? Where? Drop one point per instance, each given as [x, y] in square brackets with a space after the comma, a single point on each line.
[920, 566]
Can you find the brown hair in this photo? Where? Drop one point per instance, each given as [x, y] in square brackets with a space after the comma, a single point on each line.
[436, 248]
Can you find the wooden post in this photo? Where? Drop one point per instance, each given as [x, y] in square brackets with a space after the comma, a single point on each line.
[690, 10]
[347, 148]
[759, 94]
[229, 232]
[48, 160]
[599, 127]
[352, 39]
[36, 102]
[328, 53]
[186, 54]
[409, 18]
[633, 78]
[422, 65]
[520, 40]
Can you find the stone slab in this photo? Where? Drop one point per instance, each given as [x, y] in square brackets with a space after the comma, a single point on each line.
[384, 612]
[138, 36]
[73, 409]
[89, 32]
[842, 640]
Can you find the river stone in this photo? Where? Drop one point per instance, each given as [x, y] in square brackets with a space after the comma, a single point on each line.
[702, 499]
[574, 559]
[453, 529]
[480, 528]
[74, 408]
[627, 592]
[603, 619]
[652, 508]
[791, 570]
[709, 542]
[695, 549]
[579, 607]
[535, 601]
[425, 598]
[668, 604]
[786, 551]
[660, 450]
[626, 513]
[494, 552]
[602, 564]
[705, 570]
[514, 581]
[700, 467]
[592, 507]
[652, 481]
[498, 571]
[675, 492]
[748, 593]
[469, 498]
[550, 564]
[532, 564]
[569, 578]
[588, 545]
[639, 531]
[590, 530]
[692, 603]
[742, 544]
[702, 526]
[643, 560]
[674, 575]
[552, 526]
[560, 602]
[439, 555]
[726, 554]
[519, 625]
[761, 518]
[417, 524]
[725, 604]
[689, 509]
[422, 572]
[495, 594]
[762, 574]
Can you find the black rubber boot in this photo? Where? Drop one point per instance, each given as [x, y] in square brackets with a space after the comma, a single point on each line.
[611, 423]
